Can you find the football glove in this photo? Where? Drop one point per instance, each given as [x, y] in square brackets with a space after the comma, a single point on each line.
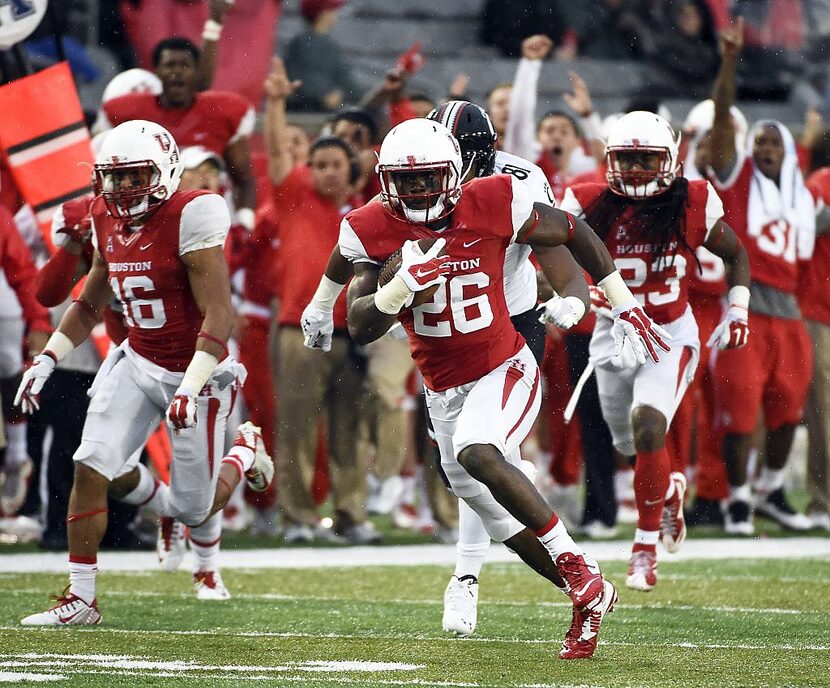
[182, 411]
[423, 270]
[317, 325]
[631, 323]
[564, 313]
[32, 383]
[733, 331]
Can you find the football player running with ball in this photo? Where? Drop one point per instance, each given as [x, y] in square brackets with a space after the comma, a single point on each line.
[652, 221]
[158, 252]
[481, 380]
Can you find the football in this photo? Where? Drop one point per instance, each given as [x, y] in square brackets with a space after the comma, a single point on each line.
[393, 264]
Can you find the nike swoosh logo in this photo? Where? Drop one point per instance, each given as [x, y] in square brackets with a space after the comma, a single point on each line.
[67, 619]
[419, 273]
[653, 502]
[467, 244]
[584, 588]
[141, 248]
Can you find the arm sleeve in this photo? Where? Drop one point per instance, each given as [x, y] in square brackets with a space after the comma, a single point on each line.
[21, 275]
[571, 205]
[539, 186]
[351, 247]
[205, 223]
[521, 204]
[714, 208]
[245, 127]
[520, 133]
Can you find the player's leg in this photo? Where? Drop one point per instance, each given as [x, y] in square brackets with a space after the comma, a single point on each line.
[784, 402]
[496, 415]
[657, 391]
[740, 379]
[817, 419]
[119, 420]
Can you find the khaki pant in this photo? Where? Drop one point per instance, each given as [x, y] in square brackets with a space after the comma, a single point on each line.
[817, 417]
[389, 367]
[308, 384]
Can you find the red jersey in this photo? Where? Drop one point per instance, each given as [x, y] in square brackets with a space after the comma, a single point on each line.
[814, 287]
[771, 242]
[465, 331]
[710, 279]
[661, 284]
[214, 120]
[150, 279]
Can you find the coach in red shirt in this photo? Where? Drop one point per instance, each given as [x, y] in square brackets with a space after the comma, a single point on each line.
[309, 203]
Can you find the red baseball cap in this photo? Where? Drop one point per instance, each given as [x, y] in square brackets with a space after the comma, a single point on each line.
[311, 8]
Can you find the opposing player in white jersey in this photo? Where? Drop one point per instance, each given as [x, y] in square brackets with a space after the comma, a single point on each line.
[476, 137]
[474, 131]
[159, 252]
[480, 379]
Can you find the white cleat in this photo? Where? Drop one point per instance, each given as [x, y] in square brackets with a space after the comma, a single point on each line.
[70, 610]
[171, 544]
[209, 586]
[642, 571]
[261, 473]
[461, 605]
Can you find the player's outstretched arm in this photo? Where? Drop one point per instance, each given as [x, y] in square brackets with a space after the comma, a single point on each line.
[207, 274]
[75, 326]
[733, 331]
[317, 321]
[367, 323]
[548, 226]
[722, 145]
[572, 298]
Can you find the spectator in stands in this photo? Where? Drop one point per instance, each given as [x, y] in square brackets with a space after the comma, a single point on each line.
[220, 121]
[358, 127]
[772, 212]
[682, 50]
[612, 29]
[310, 202]
[315, 59]
[506, 24]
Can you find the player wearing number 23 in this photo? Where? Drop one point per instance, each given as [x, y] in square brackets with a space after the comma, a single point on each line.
[482, 382]
[652, 222]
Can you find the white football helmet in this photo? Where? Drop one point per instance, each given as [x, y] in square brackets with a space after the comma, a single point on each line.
[410, 152]
[137, 168]
[641, 132]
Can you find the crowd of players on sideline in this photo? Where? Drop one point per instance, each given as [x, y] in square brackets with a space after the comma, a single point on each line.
[287, 203]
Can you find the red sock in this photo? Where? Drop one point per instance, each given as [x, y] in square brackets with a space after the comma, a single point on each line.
[651, 479]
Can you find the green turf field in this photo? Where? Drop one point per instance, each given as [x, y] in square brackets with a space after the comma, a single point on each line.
[713, 623]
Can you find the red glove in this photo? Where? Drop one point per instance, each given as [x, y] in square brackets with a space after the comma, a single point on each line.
[631, 323]
[182, 411]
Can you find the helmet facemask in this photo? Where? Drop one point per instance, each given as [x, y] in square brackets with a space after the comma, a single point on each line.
[420, 193]
[130, 190]
[639, 171]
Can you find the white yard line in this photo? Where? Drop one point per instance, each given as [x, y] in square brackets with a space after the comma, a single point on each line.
[413, 555]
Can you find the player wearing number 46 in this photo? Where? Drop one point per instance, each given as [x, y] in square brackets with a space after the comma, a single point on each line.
[481, 380]
[652, 221]
[159, 252]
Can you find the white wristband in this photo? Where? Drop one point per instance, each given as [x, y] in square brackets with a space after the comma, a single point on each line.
[739, 296]
[198, 373]
[59, 345]
[247, 218]
[393, 296]
[615, 289]
[327, 293]
[211, 31]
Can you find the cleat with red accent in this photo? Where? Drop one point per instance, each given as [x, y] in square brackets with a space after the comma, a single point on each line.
[673, 523]
[209, 586]
[70, 610]
[581, 639]
[171, 545]
[583, 577]
[260, 474]
[642, 571]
